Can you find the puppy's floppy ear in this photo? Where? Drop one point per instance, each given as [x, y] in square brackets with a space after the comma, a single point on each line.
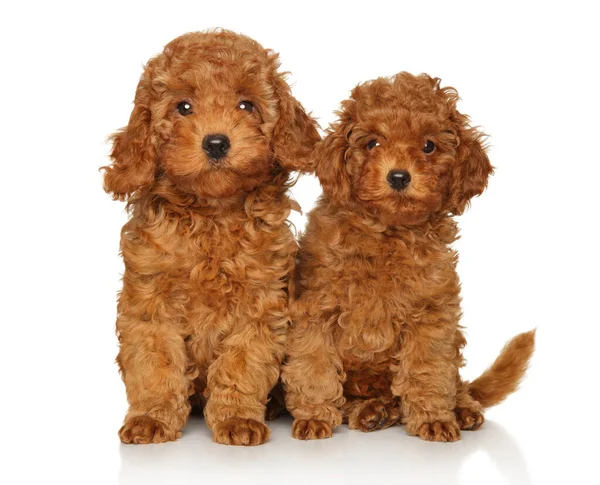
[330, 162]
[295, 133]
[470, 174]
[133, 153]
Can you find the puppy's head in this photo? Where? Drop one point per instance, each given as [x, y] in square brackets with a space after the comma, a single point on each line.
[402, 151]
[213, 115]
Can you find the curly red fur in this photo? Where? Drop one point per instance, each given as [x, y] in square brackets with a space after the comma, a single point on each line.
[506, 373]
[208, 251]
[376, 336]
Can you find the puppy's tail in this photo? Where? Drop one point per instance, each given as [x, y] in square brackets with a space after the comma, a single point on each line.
[506, 373]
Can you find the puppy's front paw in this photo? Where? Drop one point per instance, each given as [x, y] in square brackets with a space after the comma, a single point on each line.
[469, 419]
[311, 429]
[240, 431]
[144, 429]
[443, 431]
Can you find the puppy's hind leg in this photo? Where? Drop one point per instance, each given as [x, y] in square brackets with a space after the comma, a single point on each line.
[469, 413]
[371, 414]
[276, 404]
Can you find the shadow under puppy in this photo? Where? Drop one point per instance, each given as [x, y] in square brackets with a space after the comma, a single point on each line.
[376, 337]
[204, 165]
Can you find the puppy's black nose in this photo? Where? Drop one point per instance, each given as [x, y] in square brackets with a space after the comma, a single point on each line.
[398, 179]
[216, 146]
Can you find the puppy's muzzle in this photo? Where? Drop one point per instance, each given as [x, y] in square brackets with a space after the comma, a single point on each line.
[398, 179]
[216, 146]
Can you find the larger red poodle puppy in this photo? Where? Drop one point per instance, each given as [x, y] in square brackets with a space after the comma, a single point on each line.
[204, 166]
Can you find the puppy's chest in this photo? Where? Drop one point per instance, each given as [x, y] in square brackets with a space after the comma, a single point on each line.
[226, 260]
[395, 273]
[382, 286]
[232, 275]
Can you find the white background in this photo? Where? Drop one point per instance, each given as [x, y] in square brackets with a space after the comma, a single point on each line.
[528, 73]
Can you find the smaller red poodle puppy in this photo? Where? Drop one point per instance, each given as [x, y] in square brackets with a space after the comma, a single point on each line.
[204, 165]
[376, 337]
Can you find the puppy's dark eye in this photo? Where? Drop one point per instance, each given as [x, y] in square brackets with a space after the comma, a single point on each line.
[372, 144]
[246, 106]
[429, 147]
[184, 108]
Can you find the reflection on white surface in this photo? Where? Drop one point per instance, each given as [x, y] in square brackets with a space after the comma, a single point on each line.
[486, 456]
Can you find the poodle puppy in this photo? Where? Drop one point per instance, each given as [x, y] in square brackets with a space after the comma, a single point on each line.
[204, 165]
[376, 337]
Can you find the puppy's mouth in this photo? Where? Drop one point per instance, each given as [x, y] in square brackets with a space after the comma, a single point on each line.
[224, 179]
[220, 164]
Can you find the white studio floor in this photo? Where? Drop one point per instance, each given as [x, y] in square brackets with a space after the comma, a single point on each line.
[492, 455]
[516, 446]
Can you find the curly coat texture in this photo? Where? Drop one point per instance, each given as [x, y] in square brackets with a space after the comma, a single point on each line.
[376, 336]
[208, 252]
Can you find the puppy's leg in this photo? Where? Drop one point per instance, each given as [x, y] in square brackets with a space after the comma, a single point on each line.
[426, 373]
[371, 414]
[469, 412]
[153, 363]
[239, 381]
[276, 404]
[313, 377]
